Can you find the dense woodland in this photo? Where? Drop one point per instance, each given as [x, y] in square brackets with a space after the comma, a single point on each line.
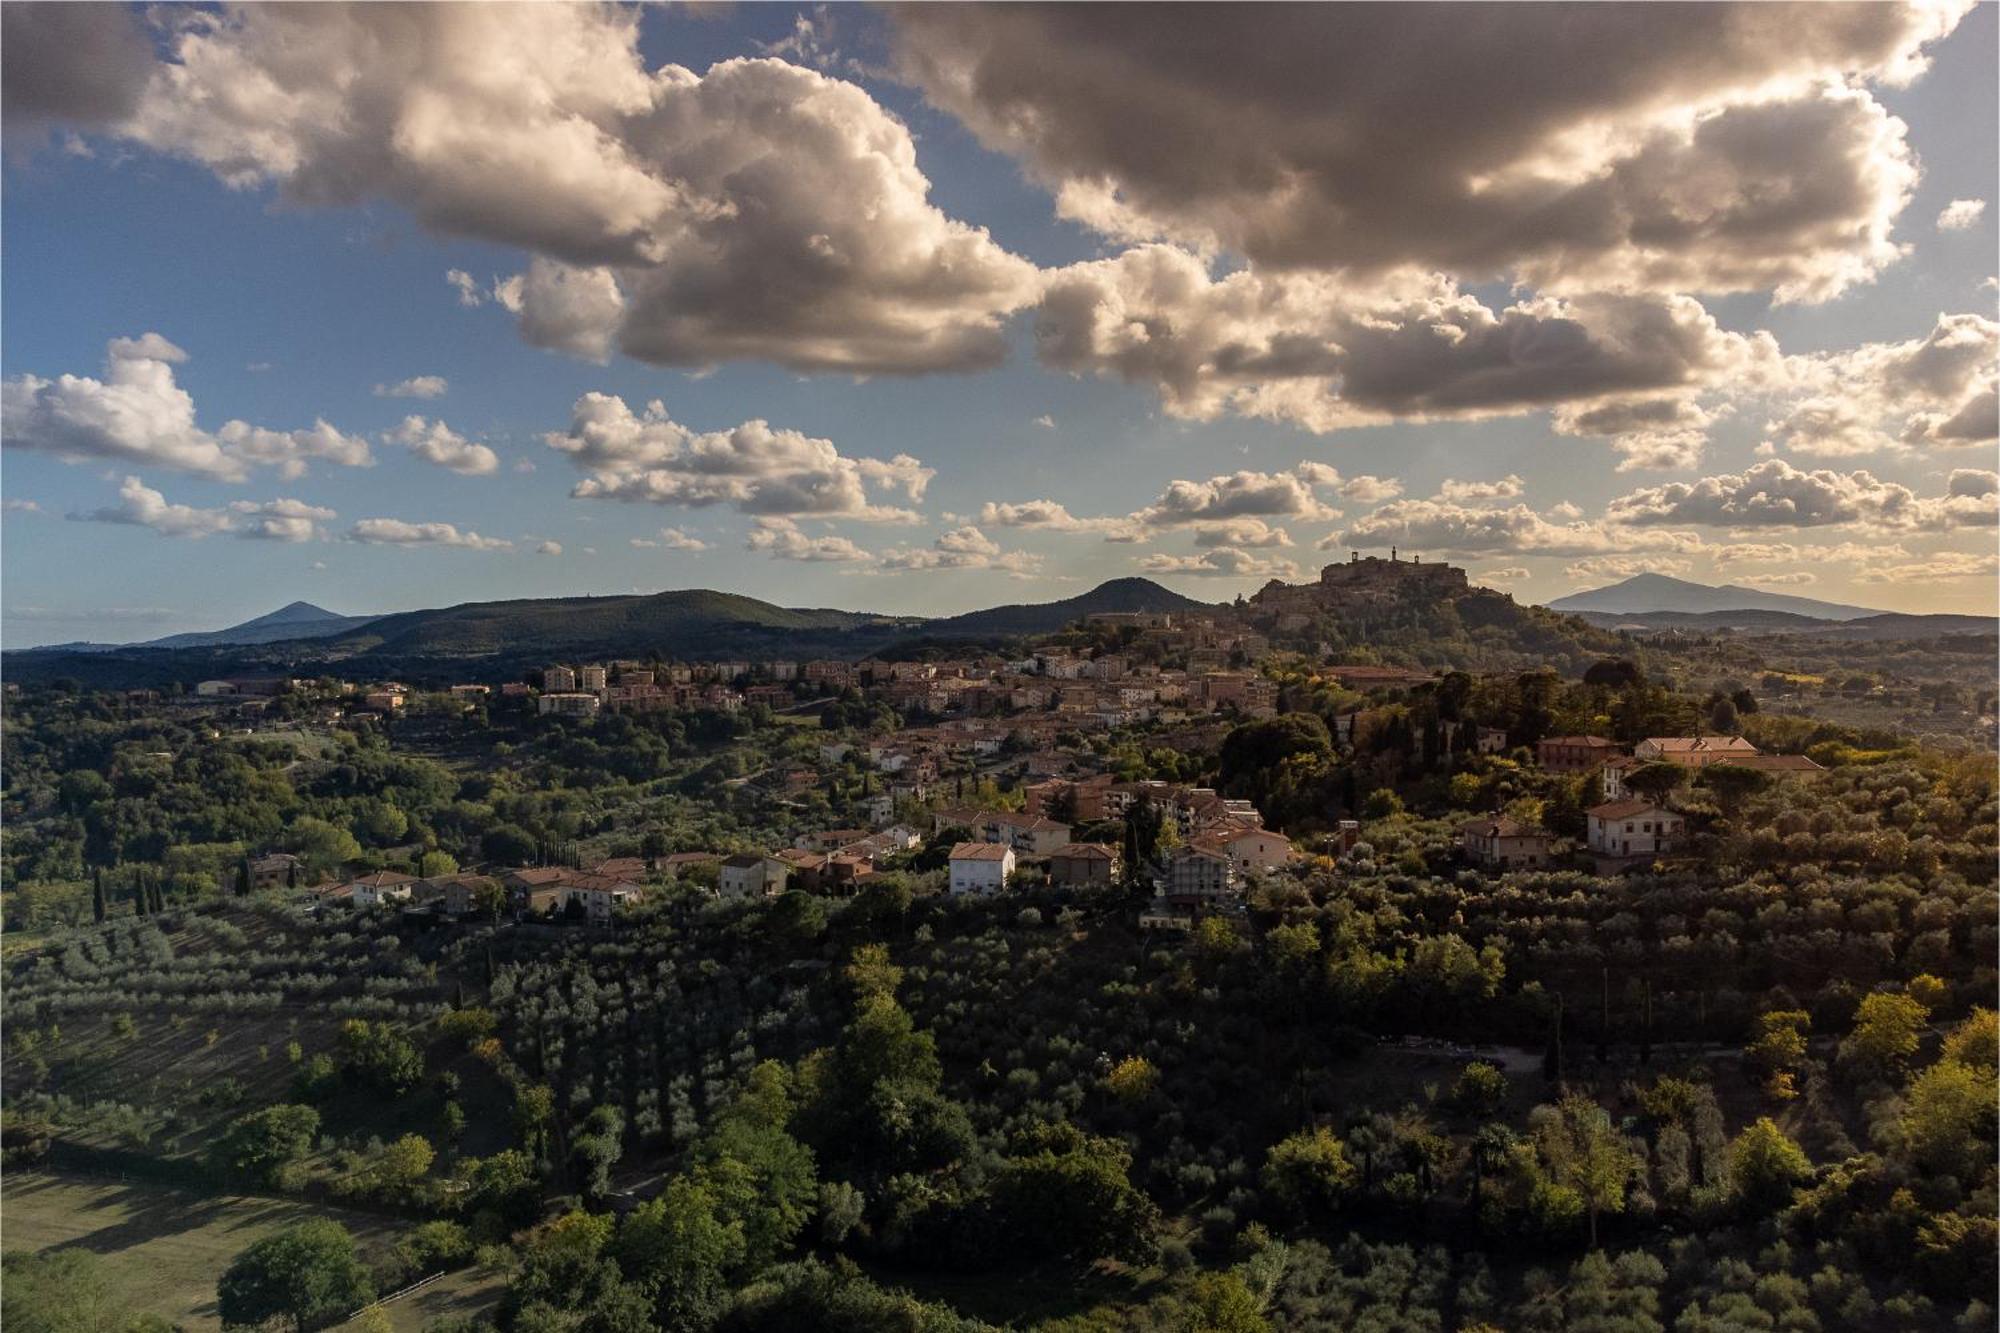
[1751, 1088]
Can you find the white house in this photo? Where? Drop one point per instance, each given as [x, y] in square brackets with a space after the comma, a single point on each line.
[980, 867]
[751, 876]
[1635, 829]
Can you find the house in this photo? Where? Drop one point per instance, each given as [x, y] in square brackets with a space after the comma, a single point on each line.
[596, 897]
[1198, 876]
[1574, 754]
[464, 894]
[752, 876]
[628, 868]
[1500, 843]
[1163, 915]
[1634, 829]
[534, 888]
[558, 679]
[276, 870]
[568, 703]
[216, 689]
[980, 867]
[1491, 740]
[1084, 865]
[1027, 834]
[675, 863]
[381, 887]
[1247, 848]
[1692, 751]
[1772, 765]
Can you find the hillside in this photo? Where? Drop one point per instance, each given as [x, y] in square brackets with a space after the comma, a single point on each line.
[1133, 594]
[300, 620]
[507, 637]
[1658, 592]
[695, 622]
[1881, 625]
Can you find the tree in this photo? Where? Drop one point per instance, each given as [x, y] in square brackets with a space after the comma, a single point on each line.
[596, 1148]
[1070, 1197]
[1654, 781]
[1613, 673]
[507, 845]
[1221, 1303]
[1887, 1031]
[797, 917]
[260, 1145]
[304, 1274]
[1585, 1153]
[402, 1164]
[1779, 1049]
[678, 1246]
[65, 1291]
[1766, 1166]
[432, 864]
[1976, 1041]
[1948, 1119]
[1132, 1079]
[1733, 784]
[322, 846]
[1309, 1173]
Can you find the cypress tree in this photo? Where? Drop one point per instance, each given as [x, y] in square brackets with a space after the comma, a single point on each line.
[97, 895]
[243, 878]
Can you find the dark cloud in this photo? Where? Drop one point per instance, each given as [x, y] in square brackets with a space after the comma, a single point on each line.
[1692, 146]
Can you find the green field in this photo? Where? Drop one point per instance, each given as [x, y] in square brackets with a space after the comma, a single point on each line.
[162, 1250]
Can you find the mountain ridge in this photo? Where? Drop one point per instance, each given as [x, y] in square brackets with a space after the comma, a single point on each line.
[1660, 592]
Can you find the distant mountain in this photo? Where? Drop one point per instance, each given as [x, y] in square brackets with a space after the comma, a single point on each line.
[695, 622]
[1127, 595]
[1657, 592]
[1887, 625]
[510, 636]
[300, 620]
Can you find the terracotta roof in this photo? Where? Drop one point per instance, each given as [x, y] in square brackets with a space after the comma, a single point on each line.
[980, 851]
[385, 879]
[1085, 851]
[1771, 763]
[1701, 744]
[1595, 742]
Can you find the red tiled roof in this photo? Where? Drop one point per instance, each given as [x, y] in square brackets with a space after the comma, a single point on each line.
[980, 851]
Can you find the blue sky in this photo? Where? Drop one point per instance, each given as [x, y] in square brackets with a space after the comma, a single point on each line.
[291, 302]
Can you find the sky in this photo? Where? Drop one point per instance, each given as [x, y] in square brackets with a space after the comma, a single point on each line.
[924, 308]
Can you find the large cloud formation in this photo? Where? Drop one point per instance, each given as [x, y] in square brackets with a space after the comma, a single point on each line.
[1941, 390]
[138, 414]
[755, 467]
[1687, 147]
[1774, 494]
[760, 210]
[1322, 353]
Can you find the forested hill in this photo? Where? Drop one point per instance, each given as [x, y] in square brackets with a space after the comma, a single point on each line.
[505, 637]
[600, 626]
[1043, 617]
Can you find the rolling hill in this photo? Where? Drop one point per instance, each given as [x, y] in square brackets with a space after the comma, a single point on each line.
[1658, 592]
[500, 638]
[300, 620]
[1132, 594]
